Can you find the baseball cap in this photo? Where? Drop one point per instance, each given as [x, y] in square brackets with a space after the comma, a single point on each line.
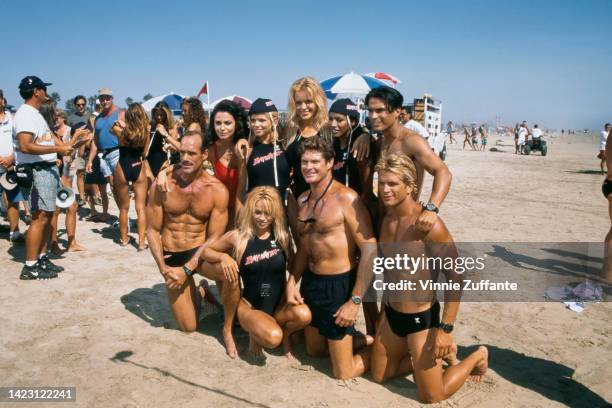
[345, 107]
[105, 91]
[261, 105]
[32, 82]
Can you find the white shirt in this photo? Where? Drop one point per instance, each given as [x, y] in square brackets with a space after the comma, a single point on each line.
[417, 127]
[6, 137]
[28, 119]
[536, 133]
[522, 135]
[603, 138]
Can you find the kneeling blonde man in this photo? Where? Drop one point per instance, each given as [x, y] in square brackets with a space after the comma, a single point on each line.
[411, 337]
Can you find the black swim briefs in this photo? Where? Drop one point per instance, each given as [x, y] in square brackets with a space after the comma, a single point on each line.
[403, 324]
[175, 259]
[606, 188]
[324, 294]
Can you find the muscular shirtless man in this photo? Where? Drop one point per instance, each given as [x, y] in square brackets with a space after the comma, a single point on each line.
[180, 221]
[333, 225]
[411, 335]
[384, 108]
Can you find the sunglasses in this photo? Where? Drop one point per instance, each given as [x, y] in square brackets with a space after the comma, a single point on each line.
[80, 104]
[105, 98]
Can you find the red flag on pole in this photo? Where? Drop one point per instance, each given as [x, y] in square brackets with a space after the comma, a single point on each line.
[204, 89]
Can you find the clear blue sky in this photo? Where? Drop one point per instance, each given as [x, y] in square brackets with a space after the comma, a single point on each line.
[548, 62]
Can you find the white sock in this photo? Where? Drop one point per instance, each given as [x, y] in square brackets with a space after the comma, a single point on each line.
[30, 263]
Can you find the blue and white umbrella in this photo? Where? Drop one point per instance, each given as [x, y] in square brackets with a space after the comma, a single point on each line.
[173, 100]
[350, 84]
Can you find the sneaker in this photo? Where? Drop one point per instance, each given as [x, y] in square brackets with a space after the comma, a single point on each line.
[35, 272]
[46, 264]
[17, 239]
[81, 202]
[98, 201]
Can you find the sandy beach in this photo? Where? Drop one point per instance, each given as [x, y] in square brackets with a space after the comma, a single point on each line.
[105, 327]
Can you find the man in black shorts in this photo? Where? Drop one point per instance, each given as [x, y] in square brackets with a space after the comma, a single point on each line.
[333, 225]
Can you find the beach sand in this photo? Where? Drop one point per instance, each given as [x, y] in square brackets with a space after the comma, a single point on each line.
[104, 326]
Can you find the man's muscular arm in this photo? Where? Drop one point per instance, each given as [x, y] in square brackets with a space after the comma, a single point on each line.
[357, 221]
[298, 266]
[422, 153]
[440, 244]
[155, 220]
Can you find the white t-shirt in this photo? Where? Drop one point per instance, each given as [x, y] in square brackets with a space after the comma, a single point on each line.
[603, 138]
[6, 137]
[522, 135]
[417, 127]
[536, 133]
[28, 119]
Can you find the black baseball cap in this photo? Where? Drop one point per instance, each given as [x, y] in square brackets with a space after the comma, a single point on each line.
[32, 82]
[345, 107]
[261, 105]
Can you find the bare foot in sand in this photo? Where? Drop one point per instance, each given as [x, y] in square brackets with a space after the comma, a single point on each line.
[479, 371]
[256, 350]
[230, 345]
[288, 348]
[55, 248]
[74, 247]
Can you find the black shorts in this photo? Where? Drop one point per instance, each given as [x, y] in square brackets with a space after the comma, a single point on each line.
[606, 188]
[324, 294]
[403, 324]
[175, 259]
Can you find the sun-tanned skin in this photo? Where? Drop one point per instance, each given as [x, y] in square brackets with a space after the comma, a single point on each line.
[329, 247]
[421, 352]
[264, 330]
[398, 139]
[193, 212]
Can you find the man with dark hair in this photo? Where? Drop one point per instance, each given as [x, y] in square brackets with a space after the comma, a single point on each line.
[384, 107]
[79, 118]
[180, 221]
[409, 123]
[333, 225]
[35, 155]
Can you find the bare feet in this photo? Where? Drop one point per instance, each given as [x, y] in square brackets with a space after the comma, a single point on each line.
[74, 247]
[256, 350]
[288, 348]
[55, 248]
[230, 345]
[479, 371]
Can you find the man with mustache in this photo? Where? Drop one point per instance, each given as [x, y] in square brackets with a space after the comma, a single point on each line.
[180, 222]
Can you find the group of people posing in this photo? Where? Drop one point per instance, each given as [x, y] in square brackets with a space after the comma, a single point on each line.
[282, 215]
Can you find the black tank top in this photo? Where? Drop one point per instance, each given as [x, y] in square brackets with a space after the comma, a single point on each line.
[260, 167]
[298, 184]
[345, 162]
[262, 268]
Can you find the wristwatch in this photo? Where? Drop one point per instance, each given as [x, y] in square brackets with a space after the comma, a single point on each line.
[187, 271]
[356, 299]
[431, 207]
[446, 327]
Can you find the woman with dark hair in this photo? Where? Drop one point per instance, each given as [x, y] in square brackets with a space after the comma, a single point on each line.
[133, 141]
[194, 116]
[228, 126]
[163, 133]
[49, 112]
